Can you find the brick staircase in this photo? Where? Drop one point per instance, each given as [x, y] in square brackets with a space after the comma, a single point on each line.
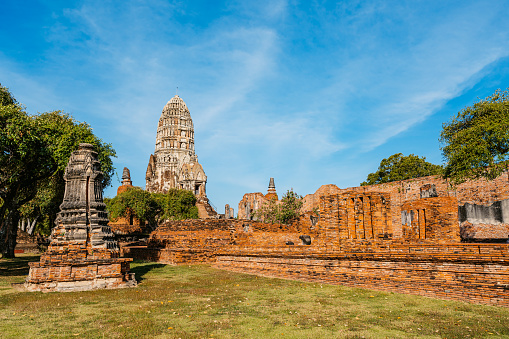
[205, 211]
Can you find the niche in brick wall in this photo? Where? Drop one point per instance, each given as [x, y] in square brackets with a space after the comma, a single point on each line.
[356, 216]
[434, 219]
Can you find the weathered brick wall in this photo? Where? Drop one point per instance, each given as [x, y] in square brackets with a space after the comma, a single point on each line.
[481, 192]
[312, 201]
[192, 233]
[120, 228]
[433, 219]
[477, 273]
[469, 272]
[484, 232]
[198, 240]
[250, 203]
[353, 215]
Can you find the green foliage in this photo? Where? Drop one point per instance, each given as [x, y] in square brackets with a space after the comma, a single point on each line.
[63, 134]
[24, 161]
[281, 212]
[291, 203]
[6, 97]
[177, 204]
[35, 152]
[399, 167]
[269, 212]
[153, 207]
[476, 141]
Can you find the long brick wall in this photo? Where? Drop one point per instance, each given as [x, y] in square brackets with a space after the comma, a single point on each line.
[476, 273]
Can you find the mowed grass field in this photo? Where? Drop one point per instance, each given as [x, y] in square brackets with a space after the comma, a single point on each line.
[201, 302]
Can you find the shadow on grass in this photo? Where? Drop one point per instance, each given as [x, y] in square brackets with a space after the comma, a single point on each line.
[16, 266]
[143, 268]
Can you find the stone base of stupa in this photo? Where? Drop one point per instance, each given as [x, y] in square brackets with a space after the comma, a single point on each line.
[75, 266]
[81, 275]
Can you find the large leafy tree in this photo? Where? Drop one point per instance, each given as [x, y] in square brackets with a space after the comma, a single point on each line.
[35, 152]
[285, 211]
[476, 140]
[399, 167]
[176, 204]
[24, 160]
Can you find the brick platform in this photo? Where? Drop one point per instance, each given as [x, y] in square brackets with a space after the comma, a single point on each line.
[81, 275]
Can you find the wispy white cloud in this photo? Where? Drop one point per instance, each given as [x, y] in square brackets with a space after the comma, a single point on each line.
[275, 88]
[406, 86]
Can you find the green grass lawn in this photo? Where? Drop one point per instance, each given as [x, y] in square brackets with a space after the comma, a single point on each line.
[201, 302]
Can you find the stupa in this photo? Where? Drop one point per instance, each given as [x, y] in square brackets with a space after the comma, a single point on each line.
[83, 253]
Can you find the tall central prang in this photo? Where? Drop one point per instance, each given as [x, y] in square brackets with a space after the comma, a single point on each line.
[174, 163]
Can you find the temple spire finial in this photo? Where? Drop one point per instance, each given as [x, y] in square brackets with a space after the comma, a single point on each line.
[271, 183]
[271, 192]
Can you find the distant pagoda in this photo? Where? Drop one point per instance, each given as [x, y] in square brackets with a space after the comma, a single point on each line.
[174, 163]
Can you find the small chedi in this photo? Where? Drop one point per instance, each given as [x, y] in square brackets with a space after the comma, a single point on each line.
[83, 253]
[129, 224]
[174, 163]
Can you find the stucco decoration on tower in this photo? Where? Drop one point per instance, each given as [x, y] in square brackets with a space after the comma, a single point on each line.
[174, 163]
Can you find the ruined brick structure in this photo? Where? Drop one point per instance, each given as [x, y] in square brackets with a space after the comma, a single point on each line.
[432, 219]
[129, 224]
[470, 272]
[251, 202]
[407, 236]
[352, 215]
[174, 163]
[83, 253]
[228, 212]
[29, 243]
[481, 207]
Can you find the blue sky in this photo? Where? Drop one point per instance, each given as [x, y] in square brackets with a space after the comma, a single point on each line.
[307, 92]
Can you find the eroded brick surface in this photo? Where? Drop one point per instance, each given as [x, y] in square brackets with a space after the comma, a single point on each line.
[456, 272]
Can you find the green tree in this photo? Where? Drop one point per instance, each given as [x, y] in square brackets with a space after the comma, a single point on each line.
[24, 161]
[399, 167]
[153, 207]
[283, 212]
[475, 143]
[177, 204]
[269, 212]
[35, 152]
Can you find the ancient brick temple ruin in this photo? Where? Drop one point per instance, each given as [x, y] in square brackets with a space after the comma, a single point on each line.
[251, 202]
[83, 253]
[174, 163]
[419, 236]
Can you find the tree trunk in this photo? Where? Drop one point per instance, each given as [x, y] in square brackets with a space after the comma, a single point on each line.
[31, 226]
[8, 234]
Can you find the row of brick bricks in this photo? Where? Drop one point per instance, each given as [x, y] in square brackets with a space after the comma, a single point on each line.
[480, 282]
